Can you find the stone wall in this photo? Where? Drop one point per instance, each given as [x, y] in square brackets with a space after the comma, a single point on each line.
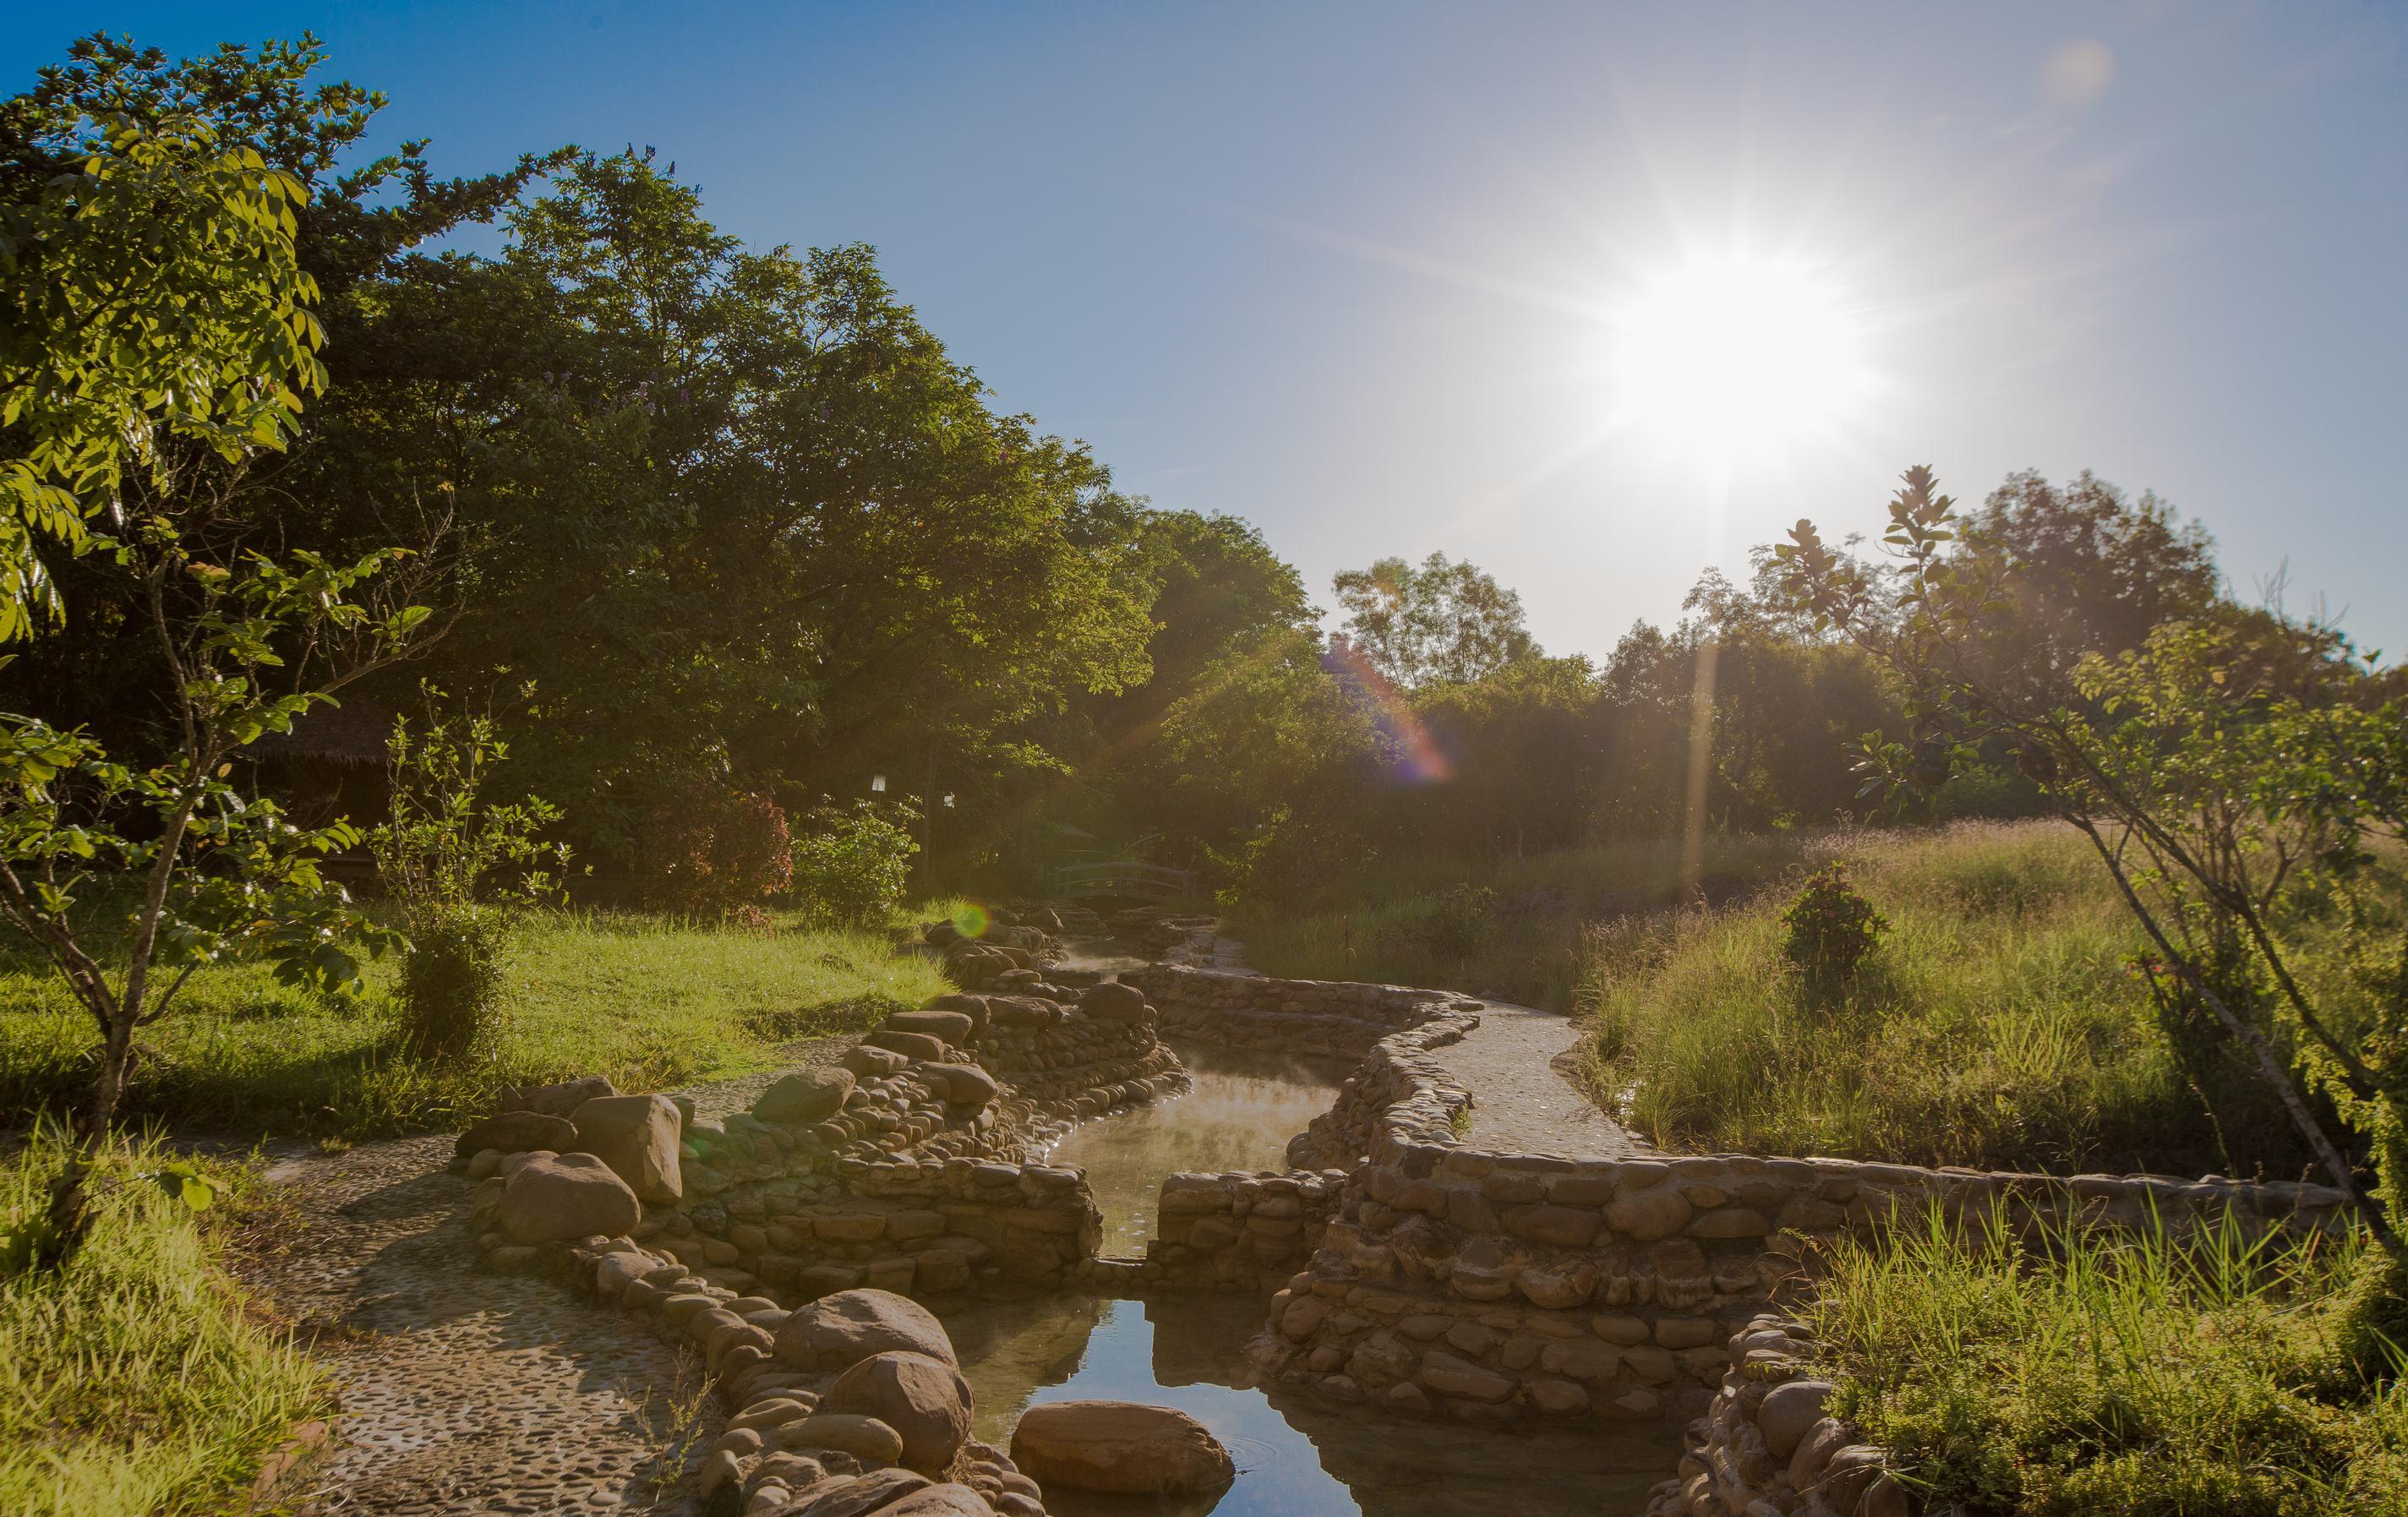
[1766, 1445]
[1238, 1232]
[1330, 1019]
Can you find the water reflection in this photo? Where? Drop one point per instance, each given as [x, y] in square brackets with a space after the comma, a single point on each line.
[1239, 1115]
[1295, 1457]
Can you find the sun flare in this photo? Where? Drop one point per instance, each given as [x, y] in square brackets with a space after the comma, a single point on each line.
[1739, 357]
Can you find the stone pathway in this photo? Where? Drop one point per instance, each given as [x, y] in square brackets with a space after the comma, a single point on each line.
[1521, 1102]
[466, 1395]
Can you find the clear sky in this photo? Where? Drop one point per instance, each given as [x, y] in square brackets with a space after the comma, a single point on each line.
[1594, 295]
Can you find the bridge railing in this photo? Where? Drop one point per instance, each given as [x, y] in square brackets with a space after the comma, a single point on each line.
[1131, 878]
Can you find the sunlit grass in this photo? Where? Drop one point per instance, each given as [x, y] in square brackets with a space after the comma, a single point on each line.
[2230, 1372]
[648, 1000]
[137, 1380]
[1996, 1023]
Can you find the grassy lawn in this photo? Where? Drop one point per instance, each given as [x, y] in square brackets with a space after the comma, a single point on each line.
[2113, 1373]
[649, 1001]
[1427, 922]
[1995, 1025]
[140, 1378]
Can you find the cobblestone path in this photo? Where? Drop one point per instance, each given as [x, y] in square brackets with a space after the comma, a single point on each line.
[1521, 1102]
[468, 1395]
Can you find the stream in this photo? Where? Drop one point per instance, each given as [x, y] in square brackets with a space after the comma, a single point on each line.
[1295, 1456]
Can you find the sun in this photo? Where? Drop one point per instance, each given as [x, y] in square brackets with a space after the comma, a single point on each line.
[1738, 358]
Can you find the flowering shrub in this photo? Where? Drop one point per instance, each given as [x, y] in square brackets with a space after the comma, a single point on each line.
[1831, 928]
[717, 852]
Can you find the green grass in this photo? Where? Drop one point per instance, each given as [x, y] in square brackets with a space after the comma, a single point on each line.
[139, 1379]
[1407, 923]
[1996, 1024]
[2228, 1376]
[647, 1000]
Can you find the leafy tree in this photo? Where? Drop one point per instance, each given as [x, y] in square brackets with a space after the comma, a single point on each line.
[1439, 622]
[2216, 770]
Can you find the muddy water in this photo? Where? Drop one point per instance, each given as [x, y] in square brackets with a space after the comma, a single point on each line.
[1296, 1457]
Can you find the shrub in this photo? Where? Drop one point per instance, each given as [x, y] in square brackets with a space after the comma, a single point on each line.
[1830, 929]
[849, 870]
[717, 850]
[1459, 921]
[443, 851]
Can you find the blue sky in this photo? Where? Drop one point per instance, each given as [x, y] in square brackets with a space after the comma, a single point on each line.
[1363, 274]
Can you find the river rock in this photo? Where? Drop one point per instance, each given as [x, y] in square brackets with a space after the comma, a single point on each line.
[854, 1496]
[864, 1438]
[554, 1196]
[1119, 1446]
[945, 1026]
[910, 1045]
[923, 1399]
[1112, 1001]
[1789, 1412]
[805, 1096]
[870, 1062]
[966, 1085]
[516, 1132]
[842, 1329]
[940, 1501]
[556, 1100]
[637, 1136]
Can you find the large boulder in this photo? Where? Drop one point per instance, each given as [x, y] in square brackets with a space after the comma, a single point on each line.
[945, 1026]
[552, 1197]
[854, 1496]
[637, 1136]
[910, 1045]
[556, 1100]
[807, 1095]
[1112, 1001]
[839, 1331]
[924, 1399]
[940, 1501]
[972, 1007]
[1023, 1012]
[1119, 1446]
[516, 1132]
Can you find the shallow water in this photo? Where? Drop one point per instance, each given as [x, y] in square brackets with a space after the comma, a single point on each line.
[1239, 1114]
[1295, 1459]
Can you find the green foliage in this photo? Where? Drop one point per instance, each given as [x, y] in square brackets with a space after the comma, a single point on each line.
[153, 298]
[137, 1379]
[653, 1002]
[851, 868]
[437, 857]
[1442, 623]
[1999, 1026]
[2091, 1371]
[1830, 929]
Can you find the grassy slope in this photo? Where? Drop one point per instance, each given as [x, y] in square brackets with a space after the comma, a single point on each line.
[139, 1380]
[647, 1001]
[1394, 924]
[2121, 1374]
[1996, 1024]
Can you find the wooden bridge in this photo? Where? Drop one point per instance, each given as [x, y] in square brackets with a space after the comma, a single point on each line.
[1130, 879]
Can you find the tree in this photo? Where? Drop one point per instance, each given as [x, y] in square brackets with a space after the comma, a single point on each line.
[2216, 771]
[157, 320]
[1441, 623]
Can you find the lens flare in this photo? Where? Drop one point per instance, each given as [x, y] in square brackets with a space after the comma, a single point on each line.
[1418, 760]
[969, 920]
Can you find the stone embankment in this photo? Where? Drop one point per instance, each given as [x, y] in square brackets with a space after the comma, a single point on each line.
[1766, 1444]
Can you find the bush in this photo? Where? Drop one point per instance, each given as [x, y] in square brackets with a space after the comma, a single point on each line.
[440, 858]
[2105, 1371]
[134, 1379]
[1459, 921]
[1831, 930]
[717, 852]
[852, 869]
